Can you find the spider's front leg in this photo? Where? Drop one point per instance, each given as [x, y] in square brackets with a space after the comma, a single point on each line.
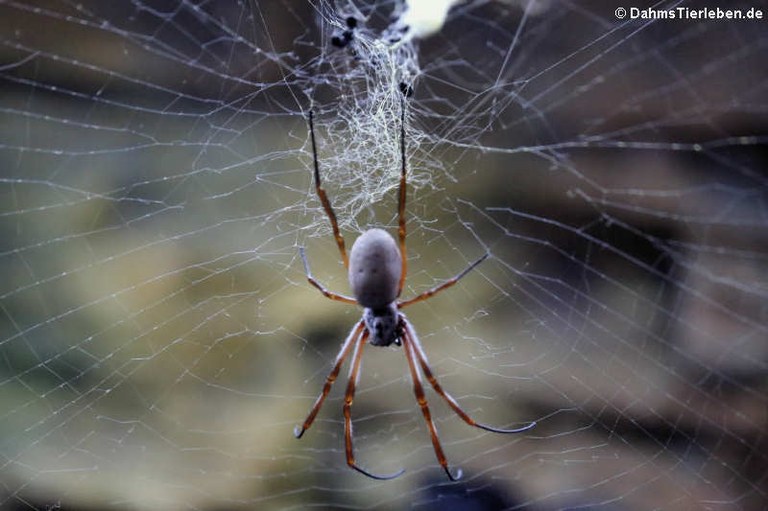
[349, 397]
[418, 389]
[414, 352]
[419, 354]
[343, 352]
[357, 338]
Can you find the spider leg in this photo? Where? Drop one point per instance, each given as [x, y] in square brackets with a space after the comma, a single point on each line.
[445, 285]
[343, 352]
[349, 396]
[324, 197]
[418, 389]
[401, 200]
[421, 356]
[311, 279]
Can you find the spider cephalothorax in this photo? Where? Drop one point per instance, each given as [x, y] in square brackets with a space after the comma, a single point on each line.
[384, 324]
[377, 269]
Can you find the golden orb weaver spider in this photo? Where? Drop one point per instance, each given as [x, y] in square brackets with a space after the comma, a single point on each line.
[377, 269]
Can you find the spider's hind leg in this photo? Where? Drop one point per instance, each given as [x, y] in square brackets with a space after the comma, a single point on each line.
[324, 197]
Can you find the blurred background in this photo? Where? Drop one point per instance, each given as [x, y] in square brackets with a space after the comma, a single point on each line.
[158, 338]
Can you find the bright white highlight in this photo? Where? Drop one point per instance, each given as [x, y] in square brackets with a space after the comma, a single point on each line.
[426, 17]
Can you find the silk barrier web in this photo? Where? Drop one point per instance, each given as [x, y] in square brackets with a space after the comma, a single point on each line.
[159, 340]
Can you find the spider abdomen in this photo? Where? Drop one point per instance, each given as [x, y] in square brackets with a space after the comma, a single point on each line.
[374, 269]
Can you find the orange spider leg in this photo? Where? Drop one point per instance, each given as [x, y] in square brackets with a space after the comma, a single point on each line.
[401, 202]
[445, 285]
[343, 352]
[421, 356]
[324, 198]
[418, 389]
[349, 396]
[328, 294]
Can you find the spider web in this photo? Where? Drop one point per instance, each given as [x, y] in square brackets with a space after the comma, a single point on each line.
[159, 340]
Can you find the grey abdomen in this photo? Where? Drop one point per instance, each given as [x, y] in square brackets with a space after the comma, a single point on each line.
[374, 269]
